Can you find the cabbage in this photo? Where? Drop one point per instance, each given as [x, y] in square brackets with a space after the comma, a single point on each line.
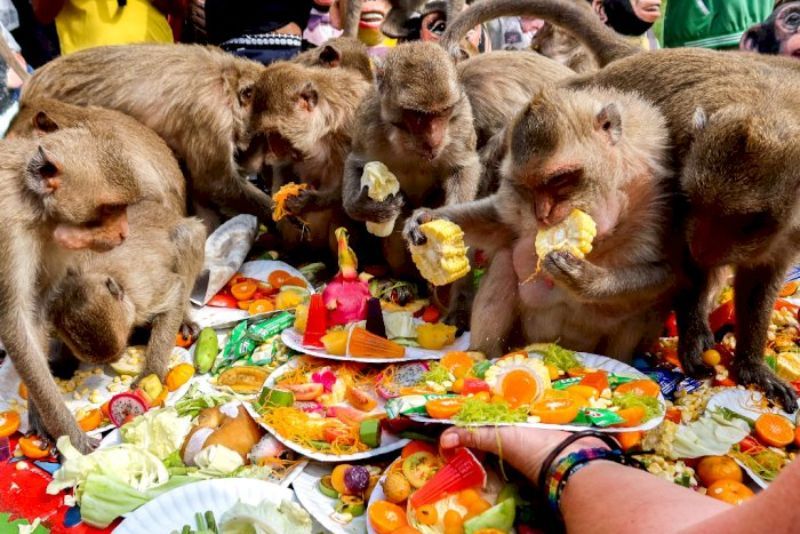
[160, 432]
[399, 325]
[135, 467]
[265, 518]
[217, 461]
[711, 435]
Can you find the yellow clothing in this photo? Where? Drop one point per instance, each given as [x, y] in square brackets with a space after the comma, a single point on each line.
[87, 23]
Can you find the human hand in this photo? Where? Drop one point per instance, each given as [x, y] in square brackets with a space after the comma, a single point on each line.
[525, 449]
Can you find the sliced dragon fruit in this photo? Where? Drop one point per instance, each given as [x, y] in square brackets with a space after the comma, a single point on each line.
[410, 374]
[386, 391]
[326, 377]
[309, 406]
[124, 406]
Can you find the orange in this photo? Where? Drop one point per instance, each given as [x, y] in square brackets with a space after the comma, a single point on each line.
[712, 469]
[468, 497]
[179, 375]
[406, 530]
[294, 281]
[558, 410]
[91, 420]
[277, 278]
[477, 508]
[458, 363]
[444, 408]
[337, 478]
[418, 446]
[183, 341]
[9, 423]
[587, 392]
[260, 306]
[633, 416]
[244, 290]
[453, 522]
[519, 387]
[729, 491]
[427, 515]
[774, 430]
[386, 518]
[642, 388]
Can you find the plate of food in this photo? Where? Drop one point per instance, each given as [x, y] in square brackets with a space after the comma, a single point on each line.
[336, 495]
[328, 411]
[88, 391]
[543, 386]
[423, 491]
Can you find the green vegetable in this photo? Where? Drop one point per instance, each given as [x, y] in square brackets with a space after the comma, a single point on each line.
[211, 522]
[652, 408]
[196, 400]
[711, 435]
[730, 415]
[206, 350]
[265, 518]
[217, 461]
[438, 375]
[326, 487]
[161, 432]
[500, 516]
[556, 356]
[765, 463]
[480, 368]
[350, 505]
[274, 398]
[477, 411]
[399, 325]
[369, 432]
[772, 362]
[511, 491]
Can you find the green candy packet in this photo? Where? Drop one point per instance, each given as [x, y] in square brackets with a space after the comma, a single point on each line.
[614, 381]
[600, 417]
[410, 405]
[244, 339]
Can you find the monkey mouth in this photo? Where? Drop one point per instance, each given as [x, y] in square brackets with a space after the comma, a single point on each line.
[371, 20]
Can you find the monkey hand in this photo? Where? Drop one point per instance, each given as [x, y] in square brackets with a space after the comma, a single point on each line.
[189, 328]
[84, 443]
[757, 373]
[301, 202]
[572, 273]
[691, 345]
[366, 209]
[411, 231]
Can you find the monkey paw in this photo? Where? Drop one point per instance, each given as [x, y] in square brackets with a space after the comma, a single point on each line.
[568, 269]
[366, 209]
[299, 203]
[85, 444]
[189, 328]
[759, 375]
[459, 318]
[691, 346]
[411, 231]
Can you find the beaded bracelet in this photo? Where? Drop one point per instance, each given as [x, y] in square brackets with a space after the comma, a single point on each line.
[568, 466]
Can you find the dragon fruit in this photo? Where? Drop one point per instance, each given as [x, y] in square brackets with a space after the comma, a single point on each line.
[326, 377]
[346, 295]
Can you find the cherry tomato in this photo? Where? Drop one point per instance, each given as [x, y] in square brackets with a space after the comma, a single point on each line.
[277, 278]
[244, 290]
[474, 385]
[431, 314]
[223, 301]
[750, 443]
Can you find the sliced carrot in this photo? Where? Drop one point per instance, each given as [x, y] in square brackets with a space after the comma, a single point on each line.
[642, 388]
[774, 430]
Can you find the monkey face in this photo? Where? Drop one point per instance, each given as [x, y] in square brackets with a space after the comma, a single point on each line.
[426, 134]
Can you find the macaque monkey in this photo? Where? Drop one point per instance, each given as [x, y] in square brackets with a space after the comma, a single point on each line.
[779, 34]
[733, 120]
[341, 52]
[599, 151]
[418, 123]
[60, 192]
[401, 11]
[305, 117]
[146, 281]
[198, 99]
[157, 172]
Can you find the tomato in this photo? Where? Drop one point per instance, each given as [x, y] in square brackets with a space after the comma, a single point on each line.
[597, 379]
[444, 408]
[750, 444]
[431, 314]
[260, 306]
[336, 431]
[305, 392]
[474, 385]
[244, 290]
[34, 447]
[183, 341]
[221, 300]
[632, 416]
[419, 468]
[9, 423]
[417, 446]
[347, 415]
[277, 278]
[673, 414]
[724, 315]
[641, 388]
[671, 325]
[795, 385]
[587, 392]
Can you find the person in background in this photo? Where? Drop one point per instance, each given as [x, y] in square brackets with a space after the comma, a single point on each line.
[631, 18]
[373, 13]
[778, 34]
[319, 28]
[39, 42]
[87, 23]
[715, 24]
[11, 78]
[513, 33]
[264, 31]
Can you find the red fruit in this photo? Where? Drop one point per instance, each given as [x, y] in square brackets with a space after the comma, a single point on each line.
[474, 385]
[347, 415]
[221, 300]
[671, 326]
[431, 314]
[397, 425]
[305, 392]
[125, 405]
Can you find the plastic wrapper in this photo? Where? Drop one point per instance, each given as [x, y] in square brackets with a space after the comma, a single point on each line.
[244, 339]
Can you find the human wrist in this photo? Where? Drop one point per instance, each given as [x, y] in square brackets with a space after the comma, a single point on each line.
[587, 442]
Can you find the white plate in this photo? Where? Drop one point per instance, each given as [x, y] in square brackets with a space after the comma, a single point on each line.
[176, 508]
[9, 389]
[592, 361]
[226, 317]
[378, 495]
[749, 404]
[389, 442]
[321, 507]
[294, 340]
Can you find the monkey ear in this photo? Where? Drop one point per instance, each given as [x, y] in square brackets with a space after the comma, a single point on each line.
[700, 119]
[246, 95]
[330, 56]
[750, 38]
[42, 122]
[114, 288]
[609, 120]
[308, 97]
[45, 171]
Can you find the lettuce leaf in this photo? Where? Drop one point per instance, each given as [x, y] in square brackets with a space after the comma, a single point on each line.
[265, 518]
[161, 432]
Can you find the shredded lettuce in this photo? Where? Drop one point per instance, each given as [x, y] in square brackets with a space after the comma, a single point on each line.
[652, 408]
[478, 411]
[217, 461]
[437, 374]
[161, 432]
[711, 435]
[399, 325]
[196, 400]
[556, 356]
[765, 463]
[265, 518]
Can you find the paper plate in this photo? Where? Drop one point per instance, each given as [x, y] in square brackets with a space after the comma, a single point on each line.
[176, 508]
[210, 316]
[10, 399]
[593, 361]
[390, 442]
[294, 340]
[378, 495]
[320, 506]
[749, 404]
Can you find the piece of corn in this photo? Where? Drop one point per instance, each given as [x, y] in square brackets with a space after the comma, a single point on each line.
[380, 184]
[788, 366]
[574, 234]
[443, 258]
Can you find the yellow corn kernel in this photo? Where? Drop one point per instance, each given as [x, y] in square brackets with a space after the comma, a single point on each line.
[443, 258]
[574, 234]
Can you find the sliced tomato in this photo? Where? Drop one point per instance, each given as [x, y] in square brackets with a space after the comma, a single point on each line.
[305, 392]
[782, 304]
[336, 431]
[474, 385]
[724, 315]
[673, 414]
[346, 414]
[750, 444]
[221, 300]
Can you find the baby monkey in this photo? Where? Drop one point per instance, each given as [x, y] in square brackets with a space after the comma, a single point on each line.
[146, 281]
[598, 151]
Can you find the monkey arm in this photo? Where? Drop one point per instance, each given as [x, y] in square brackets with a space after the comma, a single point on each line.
[229, 190]
[165, 326]
[464, 181]
[495, 311]
[355, 200]
[692, 307]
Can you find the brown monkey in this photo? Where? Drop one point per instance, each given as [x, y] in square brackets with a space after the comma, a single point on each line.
[157, 171]
[343, 52]
[600, 151]
[736, 160]
[66, 190]
[560, 46]
[305, 116]
[197, 98]
[145, 281]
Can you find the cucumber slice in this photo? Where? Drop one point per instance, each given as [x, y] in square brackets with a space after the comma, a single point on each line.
[369, 432]
[275, 398]
[326, 487]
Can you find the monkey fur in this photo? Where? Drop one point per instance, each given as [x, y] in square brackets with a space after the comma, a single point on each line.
[341, 52]
[600, 151]
[198, 99]
[732, 120]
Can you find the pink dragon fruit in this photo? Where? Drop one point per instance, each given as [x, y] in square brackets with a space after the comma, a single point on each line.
[346, 295]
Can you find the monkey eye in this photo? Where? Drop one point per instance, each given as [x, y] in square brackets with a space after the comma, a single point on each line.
[114, 288]
[754, 223]
[793, 19]
[246, 94]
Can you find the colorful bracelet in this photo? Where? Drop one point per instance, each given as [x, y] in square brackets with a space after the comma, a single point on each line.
[568, 466]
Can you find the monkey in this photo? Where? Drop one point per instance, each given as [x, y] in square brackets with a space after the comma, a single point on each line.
[146, 281]
[559, 45]
[343, 52]
[778, 34]
[198, 99]
[731, 119]
[305, 117]
[59, 193]
[600, 151]
[157, 171]
[400, 12]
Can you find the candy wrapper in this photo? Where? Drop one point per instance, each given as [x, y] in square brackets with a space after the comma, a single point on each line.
[244, 339]
[598, 417]
[410, 404]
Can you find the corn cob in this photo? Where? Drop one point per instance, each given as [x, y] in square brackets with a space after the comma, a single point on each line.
[575, 234]
[443, 258]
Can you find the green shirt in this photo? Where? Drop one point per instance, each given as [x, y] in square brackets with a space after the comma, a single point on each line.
[711, 23]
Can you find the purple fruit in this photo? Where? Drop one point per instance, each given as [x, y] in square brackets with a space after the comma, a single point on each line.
[356, 480]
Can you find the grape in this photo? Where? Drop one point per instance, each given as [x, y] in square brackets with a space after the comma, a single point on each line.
[356, 480]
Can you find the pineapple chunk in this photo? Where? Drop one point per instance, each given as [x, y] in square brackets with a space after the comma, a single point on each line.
[443, 258]
[575, 234]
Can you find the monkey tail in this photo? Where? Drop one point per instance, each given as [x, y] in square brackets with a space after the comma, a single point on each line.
[605, 44]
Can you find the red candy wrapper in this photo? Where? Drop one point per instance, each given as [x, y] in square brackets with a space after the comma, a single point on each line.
[463, 471]
[317, 322]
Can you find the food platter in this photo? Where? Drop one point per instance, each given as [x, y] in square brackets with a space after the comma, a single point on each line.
[318, 505]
